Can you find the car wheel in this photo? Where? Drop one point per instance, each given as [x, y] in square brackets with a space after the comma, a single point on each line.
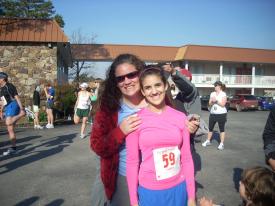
[260, 108]
[238, 108]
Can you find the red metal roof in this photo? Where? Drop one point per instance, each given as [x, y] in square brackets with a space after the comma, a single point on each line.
[31, 30]
[46, 30]
[107, 52]
[227, 54]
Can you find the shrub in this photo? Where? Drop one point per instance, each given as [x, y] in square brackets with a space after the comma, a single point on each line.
[65, 99]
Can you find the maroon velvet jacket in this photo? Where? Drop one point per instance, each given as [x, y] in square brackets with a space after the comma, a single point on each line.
[105, 140]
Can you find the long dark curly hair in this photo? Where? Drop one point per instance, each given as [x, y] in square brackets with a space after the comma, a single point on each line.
[109, 94]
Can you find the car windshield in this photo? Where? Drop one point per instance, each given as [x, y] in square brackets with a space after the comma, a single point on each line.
[269, 99]
[250, 97]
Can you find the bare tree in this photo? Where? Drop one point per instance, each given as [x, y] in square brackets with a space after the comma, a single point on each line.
[79, 67]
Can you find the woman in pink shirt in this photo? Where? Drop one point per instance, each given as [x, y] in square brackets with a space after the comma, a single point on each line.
[159, 168]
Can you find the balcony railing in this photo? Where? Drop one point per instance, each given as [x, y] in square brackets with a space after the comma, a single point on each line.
[265, 80]
[259, 81]
[205, 78]
[237, 79]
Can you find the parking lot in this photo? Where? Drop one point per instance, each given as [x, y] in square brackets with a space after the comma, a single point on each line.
[55, 167]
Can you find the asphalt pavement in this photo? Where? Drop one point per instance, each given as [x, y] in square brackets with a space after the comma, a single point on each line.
[55, 167]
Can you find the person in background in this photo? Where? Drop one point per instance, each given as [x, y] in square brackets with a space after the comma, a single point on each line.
[193, 107]
[82, 107]
[160, 168]
[118, 100]
[12, 109]
[94, 93]
[257, 188]
[218, 113]
[36, 107]
[174, 90]
[269, 139]
[50, 92]
[182, 101]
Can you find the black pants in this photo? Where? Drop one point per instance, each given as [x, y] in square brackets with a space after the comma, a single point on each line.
[220, 118]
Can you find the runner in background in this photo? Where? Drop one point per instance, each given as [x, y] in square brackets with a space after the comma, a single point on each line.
[50, 93]
[36, 107]
[82, 107]
[12, 109]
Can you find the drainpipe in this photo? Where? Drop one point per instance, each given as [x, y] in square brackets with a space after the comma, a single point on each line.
[221, 71]
[186, 66]
[253, 80]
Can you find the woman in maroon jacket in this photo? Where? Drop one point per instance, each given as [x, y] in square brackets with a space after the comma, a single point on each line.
[119, 99]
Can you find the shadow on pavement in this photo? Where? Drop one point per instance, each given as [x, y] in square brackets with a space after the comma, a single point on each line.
[20, 140]
[56, 202]
[38, 152]
[237, 173]
[7, 142]
[30, 201]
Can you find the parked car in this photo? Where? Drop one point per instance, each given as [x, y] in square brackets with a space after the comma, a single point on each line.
[205, 101]
[242, 102]
[265, 103]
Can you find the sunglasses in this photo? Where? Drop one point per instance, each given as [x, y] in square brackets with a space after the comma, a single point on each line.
[131, 75]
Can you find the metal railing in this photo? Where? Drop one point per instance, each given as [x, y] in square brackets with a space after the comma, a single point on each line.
[237, 79]
[265, 80]
[234, 79]
[205, 78]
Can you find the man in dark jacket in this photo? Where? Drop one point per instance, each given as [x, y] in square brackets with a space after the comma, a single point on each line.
[269, 139]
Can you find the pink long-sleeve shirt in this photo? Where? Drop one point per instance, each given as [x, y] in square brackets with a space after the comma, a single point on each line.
[158, 131]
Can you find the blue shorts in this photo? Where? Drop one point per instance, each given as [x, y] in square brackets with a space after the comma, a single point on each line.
[12, 109]
[175, 196]
[49, 105]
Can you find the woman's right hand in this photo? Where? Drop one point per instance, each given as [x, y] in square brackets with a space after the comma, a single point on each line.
[213, 99]
[130, 124]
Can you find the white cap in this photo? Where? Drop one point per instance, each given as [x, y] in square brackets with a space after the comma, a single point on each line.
[84, 85]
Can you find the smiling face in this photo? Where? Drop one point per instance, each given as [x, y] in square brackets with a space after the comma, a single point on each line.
[154, 89]
[127, 80]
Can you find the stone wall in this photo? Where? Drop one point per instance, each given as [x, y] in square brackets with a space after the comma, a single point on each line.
[28, 65]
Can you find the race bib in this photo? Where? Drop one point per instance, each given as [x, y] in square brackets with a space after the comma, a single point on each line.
[167, 162]
[4, 101]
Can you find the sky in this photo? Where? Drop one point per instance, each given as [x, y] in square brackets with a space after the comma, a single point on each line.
[230, 23]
